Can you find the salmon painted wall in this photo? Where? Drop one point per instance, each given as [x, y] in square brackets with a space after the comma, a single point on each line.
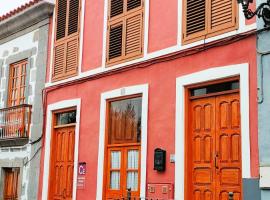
[161, 114]
[93, 34]
[162, 24]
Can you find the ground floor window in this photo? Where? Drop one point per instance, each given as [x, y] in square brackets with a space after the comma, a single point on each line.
[123, 147]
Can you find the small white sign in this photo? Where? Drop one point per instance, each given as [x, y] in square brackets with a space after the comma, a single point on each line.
[172, 158]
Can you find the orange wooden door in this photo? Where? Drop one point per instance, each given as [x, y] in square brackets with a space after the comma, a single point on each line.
[228, 147]
[11, 184]
[214, 156]
[123, 172]
[62, 166]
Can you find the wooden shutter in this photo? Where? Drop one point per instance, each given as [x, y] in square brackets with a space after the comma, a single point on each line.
[134, 36]
[205, 18]
[222, 15]
[195, 19]
[125, 30]
[66, 48]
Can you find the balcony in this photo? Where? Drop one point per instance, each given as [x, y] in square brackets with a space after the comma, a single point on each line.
[15, 125]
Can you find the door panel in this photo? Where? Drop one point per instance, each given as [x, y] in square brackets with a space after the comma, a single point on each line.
[228, 146]
[115, 177]
[123, 172]
[62, 167]
[215, 148]
[202, 147]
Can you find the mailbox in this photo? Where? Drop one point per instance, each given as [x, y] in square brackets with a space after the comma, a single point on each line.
[160, 160]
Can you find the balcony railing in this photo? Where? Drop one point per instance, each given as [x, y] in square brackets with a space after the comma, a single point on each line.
[15, 122]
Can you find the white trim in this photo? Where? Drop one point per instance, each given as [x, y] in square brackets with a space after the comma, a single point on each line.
[180, 19]
[138, 89]
[146, 26]
[46, 167]
[81, 36]
[198, 77]
[106, 7]
[81, 40]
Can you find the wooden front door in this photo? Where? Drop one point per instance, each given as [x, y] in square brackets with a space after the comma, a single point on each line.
[62, 161]
[11, 183]
[214, 148]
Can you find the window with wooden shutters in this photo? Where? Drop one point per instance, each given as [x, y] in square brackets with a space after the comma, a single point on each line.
[66, 44]
[207, 18]
[125, 30]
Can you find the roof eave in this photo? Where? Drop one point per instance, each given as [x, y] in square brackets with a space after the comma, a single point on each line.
[26, 18]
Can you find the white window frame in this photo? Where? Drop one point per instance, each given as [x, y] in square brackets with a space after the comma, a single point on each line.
[122, 92]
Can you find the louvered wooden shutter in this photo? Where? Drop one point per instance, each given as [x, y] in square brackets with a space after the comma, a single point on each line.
[195, 18]
[61, 19]
[222, 14]
[125, 30]
[206, 18]
[66, 47]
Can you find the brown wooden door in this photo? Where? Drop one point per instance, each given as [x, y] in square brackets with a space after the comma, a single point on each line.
[123, 172]
[11, 183]
[214, 156]
[62, 166]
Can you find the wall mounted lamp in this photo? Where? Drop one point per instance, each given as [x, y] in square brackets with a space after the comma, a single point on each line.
[263, 11]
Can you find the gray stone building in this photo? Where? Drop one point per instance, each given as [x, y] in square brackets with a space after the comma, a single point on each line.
[23, 58]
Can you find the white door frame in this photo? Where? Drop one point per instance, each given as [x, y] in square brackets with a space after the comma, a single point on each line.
[211, 74]
[46, 167]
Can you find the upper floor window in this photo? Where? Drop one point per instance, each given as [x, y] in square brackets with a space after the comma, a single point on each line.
[125, 30]
[207, 18]
[66, 43]
[17, 84]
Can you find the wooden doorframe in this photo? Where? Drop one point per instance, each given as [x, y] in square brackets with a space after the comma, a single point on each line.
[105, 177]
[55, 107]
[188, 116]
[212, 74]
[52, 147]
